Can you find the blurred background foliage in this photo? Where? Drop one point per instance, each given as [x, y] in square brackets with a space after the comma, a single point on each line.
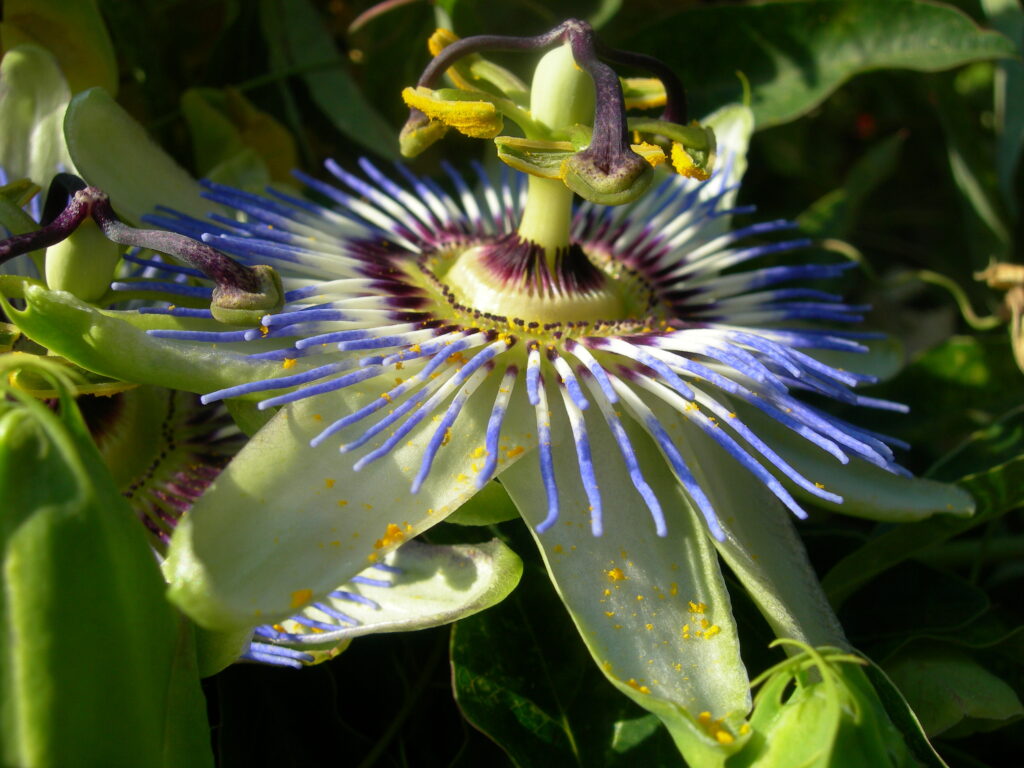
[891, 129]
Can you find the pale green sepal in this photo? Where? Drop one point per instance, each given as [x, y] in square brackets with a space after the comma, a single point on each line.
[92, 647]
[818, 710]
[435, 585]
[285, 523]
[140, 175]
[33, 98]
[490, 506]
[216, 651]
[867, 490]
[761, 546]
[654, 612]
[247, 415]
[106, 343]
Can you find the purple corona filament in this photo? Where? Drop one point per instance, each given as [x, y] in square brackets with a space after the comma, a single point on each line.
[365, 298]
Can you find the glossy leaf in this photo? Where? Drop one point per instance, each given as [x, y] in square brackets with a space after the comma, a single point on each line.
[796, 53]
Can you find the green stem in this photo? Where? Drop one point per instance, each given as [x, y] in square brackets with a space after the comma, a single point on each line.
[547, 215]
[561, 96]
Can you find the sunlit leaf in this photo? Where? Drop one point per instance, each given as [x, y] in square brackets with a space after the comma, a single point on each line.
[796, 53]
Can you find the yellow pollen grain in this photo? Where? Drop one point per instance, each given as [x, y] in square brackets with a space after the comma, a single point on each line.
[639, 597]
[288, 362]
[648, 627]
[392, 535]
[615, 574]
[697, 607]
[511, 453]
[300, 597]
[264, 330]
[335, 543]
[318, 417]
[385, 396]
[447, 437]
[329, 482]
[557, 549]
[342, 502]
[819, 485]
[673, 589]
[479, 452]
[609, 614]
[607, 592]
[373, 557]
[367, 506]
[711, 631]
[632, 683]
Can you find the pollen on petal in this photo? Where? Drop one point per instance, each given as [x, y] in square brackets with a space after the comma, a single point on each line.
[300, 597]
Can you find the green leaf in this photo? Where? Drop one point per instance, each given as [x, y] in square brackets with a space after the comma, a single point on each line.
[903, 717]
[521, 677]
[835, 214]
[91, 645]
[995, 491]
[140, 175]
[299, 41]
[796, 53]
[949, 690]
[1007, 16]
[979, 371]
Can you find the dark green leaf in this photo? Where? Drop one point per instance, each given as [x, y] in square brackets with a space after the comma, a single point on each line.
[996, 491]
[835, 214]
[523, 677]
[903, 717]
[795, 53]
[299, 41]
[948, 689]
